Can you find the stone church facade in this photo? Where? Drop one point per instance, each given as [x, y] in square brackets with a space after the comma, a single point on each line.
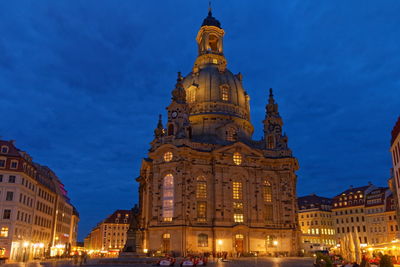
[206, 185]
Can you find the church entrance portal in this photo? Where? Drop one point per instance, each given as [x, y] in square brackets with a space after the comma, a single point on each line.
[239, 244]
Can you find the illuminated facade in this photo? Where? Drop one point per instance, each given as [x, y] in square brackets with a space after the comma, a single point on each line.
[29, 197]
[206, 185]
[349, 214]
[316, 222]
[365, 213]
[380, 216]
[109, 235]
[394, 182]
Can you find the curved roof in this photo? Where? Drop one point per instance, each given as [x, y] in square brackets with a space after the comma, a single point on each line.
[208, 83]
[211, 21]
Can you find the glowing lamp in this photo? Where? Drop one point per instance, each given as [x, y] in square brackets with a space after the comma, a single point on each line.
[275, 243]
[220, 242]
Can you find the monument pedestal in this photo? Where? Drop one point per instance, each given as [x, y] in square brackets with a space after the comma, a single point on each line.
[133, 246]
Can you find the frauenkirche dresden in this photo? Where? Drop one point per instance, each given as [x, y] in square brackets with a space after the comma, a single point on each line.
[207, 185]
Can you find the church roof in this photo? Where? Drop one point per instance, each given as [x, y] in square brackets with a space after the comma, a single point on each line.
[211, 21]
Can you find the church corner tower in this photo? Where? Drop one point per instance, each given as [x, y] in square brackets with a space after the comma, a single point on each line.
[206, 185]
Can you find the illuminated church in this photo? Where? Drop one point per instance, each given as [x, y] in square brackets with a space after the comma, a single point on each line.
[206, 185]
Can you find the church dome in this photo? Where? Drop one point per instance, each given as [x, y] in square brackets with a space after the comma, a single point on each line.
[218, 104]
[212, 91]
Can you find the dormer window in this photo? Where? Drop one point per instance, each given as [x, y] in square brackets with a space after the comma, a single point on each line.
[231, 134]
[192, 95]
[224, 93]
[4, 149]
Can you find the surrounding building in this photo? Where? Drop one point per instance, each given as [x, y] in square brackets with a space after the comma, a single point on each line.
[110, 234]
[207, 185]
[394, 182]
[380, 216]
[316, 223]
[349, 214]
[365, 213]
[29, 198]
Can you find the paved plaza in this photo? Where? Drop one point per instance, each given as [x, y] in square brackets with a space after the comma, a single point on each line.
[242, 262]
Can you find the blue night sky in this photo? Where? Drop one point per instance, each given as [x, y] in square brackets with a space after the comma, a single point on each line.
[82, 84]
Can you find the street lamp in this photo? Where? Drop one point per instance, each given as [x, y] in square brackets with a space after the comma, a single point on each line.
[275, 243]
[220, 244]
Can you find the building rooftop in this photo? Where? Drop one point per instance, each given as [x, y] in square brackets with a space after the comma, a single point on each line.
[314, 202]
[119, 216]
[395, 131]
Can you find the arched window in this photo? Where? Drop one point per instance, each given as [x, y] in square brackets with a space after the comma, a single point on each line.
[213, 42]
[267, 190]
[202, 240]
[224, 93]
[231, 134]
[166, 242]
[191, 95]
[201, 187]
[237, 190]
[168, 198]
[271, 142]
[269, 213]
[171, 129]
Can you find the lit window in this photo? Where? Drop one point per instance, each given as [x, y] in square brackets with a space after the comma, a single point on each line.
[202, 240]
[201, 211]
[4, 232]
[238, 205]
[215, 61]
[237, 190]
[168, 156]
[267, 191]
[192, 95]
[238, 217]
[239, 236]
[225, 93]
[269, 213]
[237, 158]
[231, 134]
[201, 190]
[168, 198]
[166, 236]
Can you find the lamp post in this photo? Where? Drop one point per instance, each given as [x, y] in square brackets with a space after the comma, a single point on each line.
[220, 244]
[275, 243]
